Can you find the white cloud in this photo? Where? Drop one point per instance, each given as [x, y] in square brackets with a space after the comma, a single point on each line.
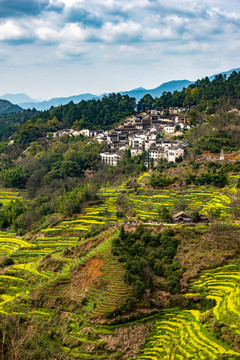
[46, 34]
[10, 30]
[160, 34]
[123, 32]
[73, 32]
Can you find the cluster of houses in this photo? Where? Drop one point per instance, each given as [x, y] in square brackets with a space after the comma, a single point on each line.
[140, 133]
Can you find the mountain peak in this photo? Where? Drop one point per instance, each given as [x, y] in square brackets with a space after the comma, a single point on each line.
[17, 98]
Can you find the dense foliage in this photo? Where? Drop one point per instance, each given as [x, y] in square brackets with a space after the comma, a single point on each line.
[204, 93]
[159, 180]
[10, 213]
[9, 123]
[146, 257]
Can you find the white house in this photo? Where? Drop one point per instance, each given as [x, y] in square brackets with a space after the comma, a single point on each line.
[110, 159]
[136, 151]
[175, 152]
[85, 132]
[169, 129]
[136, 141]
[157, 153]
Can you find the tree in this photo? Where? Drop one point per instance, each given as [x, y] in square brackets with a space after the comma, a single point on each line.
[139, 289]
[196, 216]
[145, 103]
[150, 284]
[14, 177]
[182, 204]
[122, 203]
[164, 214]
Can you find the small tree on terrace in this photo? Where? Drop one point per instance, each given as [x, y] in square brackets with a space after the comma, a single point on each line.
[164, 214]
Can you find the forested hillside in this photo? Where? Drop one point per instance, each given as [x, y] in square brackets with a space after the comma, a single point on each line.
[9, 123]
[204, 94]
[6, 107]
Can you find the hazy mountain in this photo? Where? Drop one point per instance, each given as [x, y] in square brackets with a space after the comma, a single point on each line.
[227, 73]
[44, 105]
[138, 93]
[156, 92]
[6, 107]
[17, 98]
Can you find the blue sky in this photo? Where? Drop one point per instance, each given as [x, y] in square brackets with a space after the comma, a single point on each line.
[51, 48]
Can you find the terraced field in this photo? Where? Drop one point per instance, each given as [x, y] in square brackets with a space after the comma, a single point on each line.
[145, 202]
[223, 285]
[6, 196]
[183, 335]
[115, 292]
[10, 243]
[26, 255]
[179, 334]
[68, 233]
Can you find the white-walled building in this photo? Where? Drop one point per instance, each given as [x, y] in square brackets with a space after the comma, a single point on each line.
[85, 132]
[136, 151]
[169, 129]
[156, 153]
[110, 159]
[175, 152]
[137, 141]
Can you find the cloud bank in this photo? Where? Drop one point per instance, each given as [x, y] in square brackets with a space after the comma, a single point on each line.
[117, 31]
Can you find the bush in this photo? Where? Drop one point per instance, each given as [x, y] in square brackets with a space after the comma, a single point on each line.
[7, 262]
[14, 177]
[159, 180]
[139, 289]
[140, 253]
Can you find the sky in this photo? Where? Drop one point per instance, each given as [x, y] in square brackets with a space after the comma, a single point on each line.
[53, 48]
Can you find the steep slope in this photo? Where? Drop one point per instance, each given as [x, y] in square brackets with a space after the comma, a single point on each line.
[74, 285]
[6, 107]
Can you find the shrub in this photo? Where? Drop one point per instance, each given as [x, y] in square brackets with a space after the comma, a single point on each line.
[139, 289]
[7, 262]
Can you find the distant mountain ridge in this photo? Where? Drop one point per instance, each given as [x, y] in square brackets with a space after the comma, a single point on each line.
[26, 102]
[6, 107]
[17, 98]
[44, 105]
[137, 93]
[227, 73]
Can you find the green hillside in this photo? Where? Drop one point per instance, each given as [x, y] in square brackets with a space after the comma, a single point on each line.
[6, 107]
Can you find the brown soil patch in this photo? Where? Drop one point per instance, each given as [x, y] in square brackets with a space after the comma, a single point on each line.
[89, 273]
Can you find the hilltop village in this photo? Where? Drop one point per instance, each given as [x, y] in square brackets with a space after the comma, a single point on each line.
[150, 131]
